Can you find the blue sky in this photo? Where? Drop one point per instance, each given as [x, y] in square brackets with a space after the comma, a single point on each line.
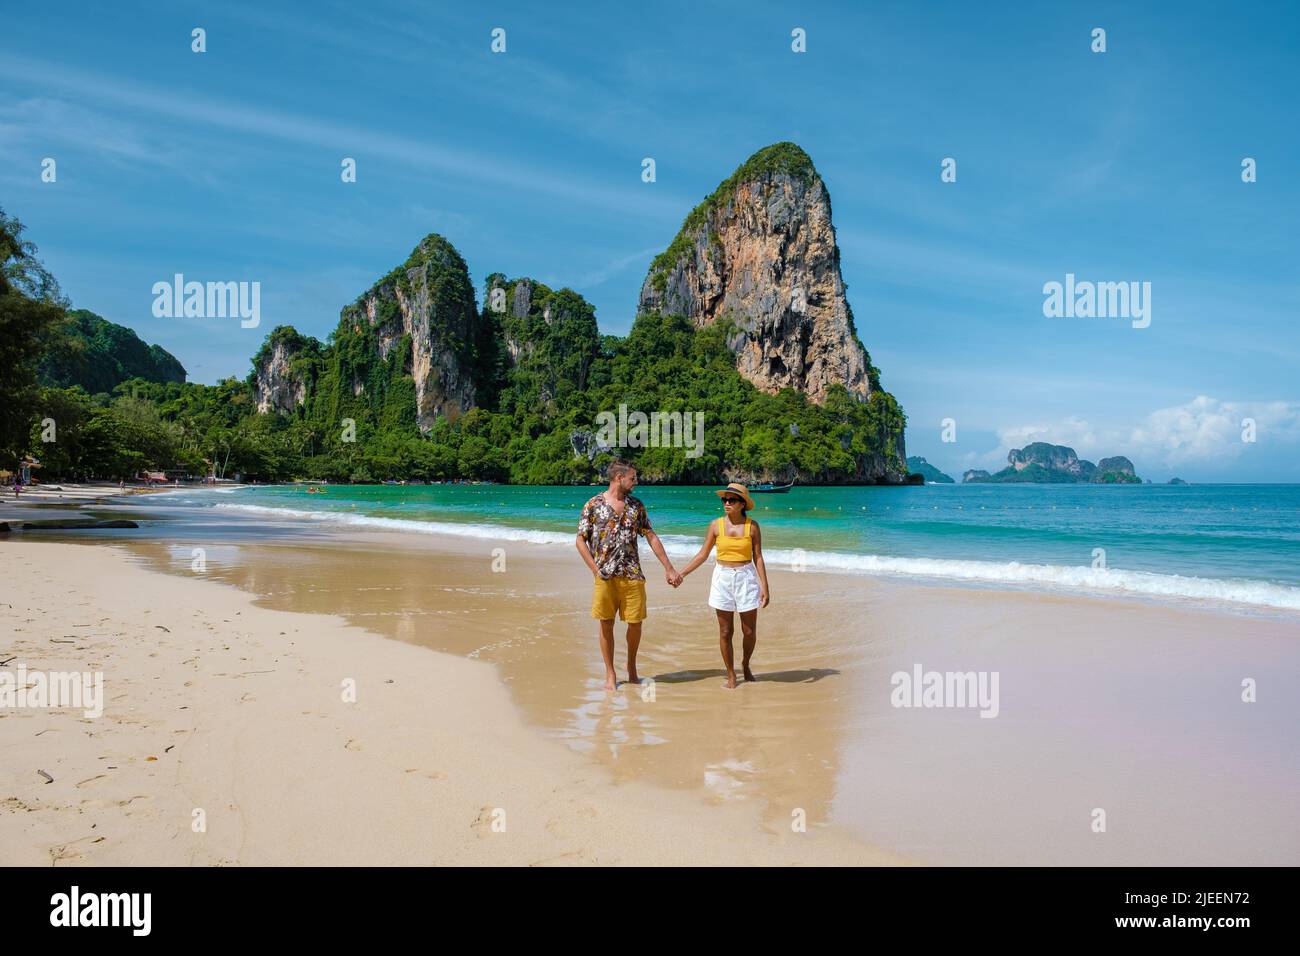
[1115, 166]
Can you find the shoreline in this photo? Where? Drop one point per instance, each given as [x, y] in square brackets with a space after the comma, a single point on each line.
[1251, 596]
[79, 494]
[1067, 581]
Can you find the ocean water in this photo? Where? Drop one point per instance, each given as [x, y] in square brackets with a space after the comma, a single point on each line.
[1222, 543]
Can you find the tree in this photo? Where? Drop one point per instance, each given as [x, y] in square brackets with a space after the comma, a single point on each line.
[30, 306]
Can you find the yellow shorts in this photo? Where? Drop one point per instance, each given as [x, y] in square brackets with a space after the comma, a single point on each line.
[623, 595]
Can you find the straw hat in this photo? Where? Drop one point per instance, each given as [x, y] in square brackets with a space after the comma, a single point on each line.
[736, 488]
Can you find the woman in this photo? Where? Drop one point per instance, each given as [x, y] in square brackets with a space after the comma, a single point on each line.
[739, 576]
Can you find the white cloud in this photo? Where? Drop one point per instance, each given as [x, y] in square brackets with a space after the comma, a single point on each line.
[1207, 430]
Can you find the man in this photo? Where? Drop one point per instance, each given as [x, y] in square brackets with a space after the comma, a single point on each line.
[607, 541]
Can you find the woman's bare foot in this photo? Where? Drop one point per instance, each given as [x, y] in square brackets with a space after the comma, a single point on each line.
[611, 681]
[731, 680]
[749, 675]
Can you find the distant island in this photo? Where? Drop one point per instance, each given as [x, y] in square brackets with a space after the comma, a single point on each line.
[1043, 463]
[917, 465]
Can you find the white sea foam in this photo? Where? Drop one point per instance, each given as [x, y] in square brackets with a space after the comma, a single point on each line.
[498, 532]
[1075, 578]
[1145, 583]
[193, 490]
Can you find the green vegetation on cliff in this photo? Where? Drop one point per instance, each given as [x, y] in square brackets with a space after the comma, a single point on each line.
[919, 466]
[537, 371]
[785, 157]
[1043, 463]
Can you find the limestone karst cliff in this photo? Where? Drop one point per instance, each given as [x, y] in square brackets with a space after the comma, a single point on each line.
[283, 369]
[1044, 462]
[427, 302]
[743, 320]
[414, 338]
[761, 251]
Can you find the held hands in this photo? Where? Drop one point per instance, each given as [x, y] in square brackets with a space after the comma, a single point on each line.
[673, 578]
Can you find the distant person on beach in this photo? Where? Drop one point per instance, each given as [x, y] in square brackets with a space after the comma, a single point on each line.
[18, 487]
[739, 576]
[607, 541]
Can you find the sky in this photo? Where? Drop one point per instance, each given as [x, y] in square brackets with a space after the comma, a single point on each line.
[1115, 166]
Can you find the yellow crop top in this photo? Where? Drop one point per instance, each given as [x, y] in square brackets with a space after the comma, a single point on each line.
[734, 549]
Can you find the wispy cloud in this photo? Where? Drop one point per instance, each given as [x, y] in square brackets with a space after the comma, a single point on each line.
[617, 266]
[463, 164]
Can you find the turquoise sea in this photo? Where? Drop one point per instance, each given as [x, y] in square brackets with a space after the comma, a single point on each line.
[1233, 543]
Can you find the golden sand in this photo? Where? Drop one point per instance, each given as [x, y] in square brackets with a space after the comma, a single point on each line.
[496, 702]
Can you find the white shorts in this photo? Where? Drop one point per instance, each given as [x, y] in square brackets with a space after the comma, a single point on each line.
[734, 589]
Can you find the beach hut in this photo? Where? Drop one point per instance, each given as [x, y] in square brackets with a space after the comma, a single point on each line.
[25, 469]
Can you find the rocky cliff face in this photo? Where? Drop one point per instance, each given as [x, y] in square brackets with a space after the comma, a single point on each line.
[549, 337]
[753, 278]
[412, 348]
[761, 251]
[283, 369]
[429, 299]
[1056, 458]
[1118, 465]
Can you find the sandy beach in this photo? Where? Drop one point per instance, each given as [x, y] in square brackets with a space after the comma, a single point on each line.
[215, 704]
[478, 691]
[76, 494]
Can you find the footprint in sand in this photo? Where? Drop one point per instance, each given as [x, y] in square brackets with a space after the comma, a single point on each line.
[428, 774]
[352, 745]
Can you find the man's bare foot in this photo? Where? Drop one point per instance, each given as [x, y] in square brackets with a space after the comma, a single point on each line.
[749, 675]
[632, 678]
[611, 682]
[731, 680]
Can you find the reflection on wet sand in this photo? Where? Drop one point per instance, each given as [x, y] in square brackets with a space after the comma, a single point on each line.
[777, 738]
[1129, 705]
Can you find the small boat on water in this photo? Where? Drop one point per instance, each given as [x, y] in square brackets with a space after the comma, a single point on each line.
[767, 487]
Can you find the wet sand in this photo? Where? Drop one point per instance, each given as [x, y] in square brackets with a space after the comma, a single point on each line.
[1121, 705]
[226, 739]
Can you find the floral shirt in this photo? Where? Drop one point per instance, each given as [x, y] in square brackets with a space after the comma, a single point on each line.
[612, 537]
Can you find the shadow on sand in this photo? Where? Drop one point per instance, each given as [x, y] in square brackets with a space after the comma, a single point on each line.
[809, 676]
